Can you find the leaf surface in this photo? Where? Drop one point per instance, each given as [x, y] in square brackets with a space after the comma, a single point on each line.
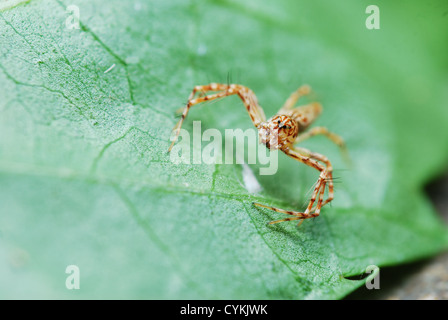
[86, 116]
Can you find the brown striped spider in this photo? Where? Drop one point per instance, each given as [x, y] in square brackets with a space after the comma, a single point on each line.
[282, 131]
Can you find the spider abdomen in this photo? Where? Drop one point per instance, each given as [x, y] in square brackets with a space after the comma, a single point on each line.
[305, 115]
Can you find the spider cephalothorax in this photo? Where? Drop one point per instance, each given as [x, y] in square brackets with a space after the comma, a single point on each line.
[280, 132]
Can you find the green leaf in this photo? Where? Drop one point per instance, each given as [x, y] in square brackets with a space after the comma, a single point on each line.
[86, 116]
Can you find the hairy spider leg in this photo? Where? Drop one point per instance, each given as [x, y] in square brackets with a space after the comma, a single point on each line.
[294, 97]
[336, 139]
[328, 169]
[301, 218]
[249, 99]
[318, 190]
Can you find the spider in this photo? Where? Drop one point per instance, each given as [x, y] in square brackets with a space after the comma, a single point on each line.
[281, 132]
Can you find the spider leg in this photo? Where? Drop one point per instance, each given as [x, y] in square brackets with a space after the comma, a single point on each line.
[336, 139]
[249, 99]
[311, 159]
[296, 215]
[294, 97]
[328, 173]
[321, 198]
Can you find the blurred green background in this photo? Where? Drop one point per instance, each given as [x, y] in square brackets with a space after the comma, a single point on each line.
[85, 179]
